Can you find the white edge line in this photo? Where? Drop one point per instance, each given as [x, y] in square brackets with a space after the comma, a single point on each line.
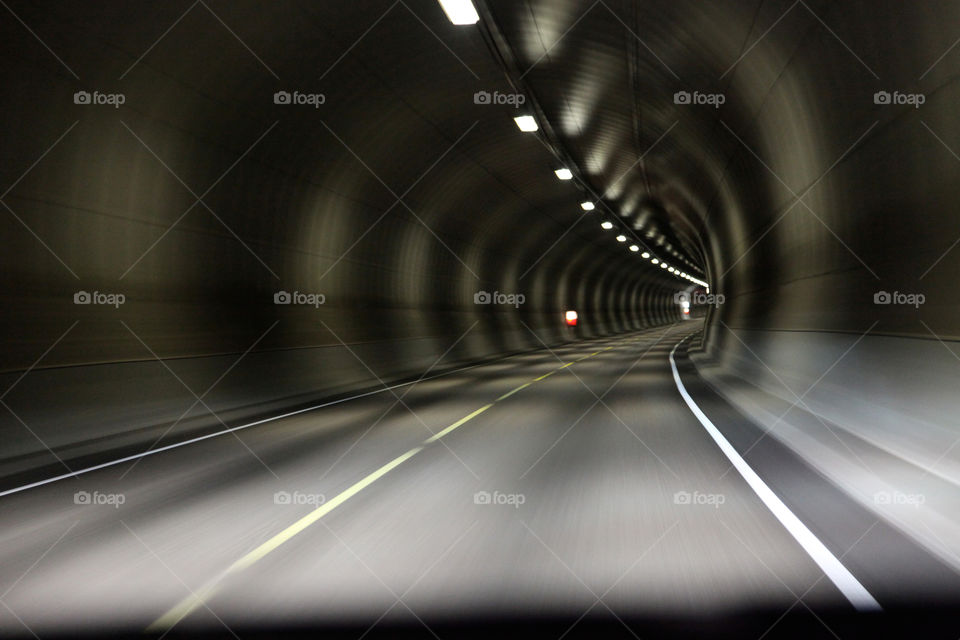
[845, 581]
[175, 445]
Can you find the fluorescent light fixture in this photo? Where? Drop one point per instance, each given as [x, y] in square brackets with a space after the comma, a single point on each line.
[586, 205]
[621, 238]
[634, 248]
[644, 255]
[460, 11]
[526, 123]
[606, 224]
[564, 174]
[663, 265]
[655, 261]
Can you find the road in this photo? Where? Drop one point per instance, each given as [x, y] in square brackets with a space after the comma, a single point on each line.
[550, 484]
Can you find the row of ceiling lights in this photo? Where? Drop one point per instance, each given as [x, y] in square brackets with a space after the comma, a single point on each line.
[528, 124]
[462, 12]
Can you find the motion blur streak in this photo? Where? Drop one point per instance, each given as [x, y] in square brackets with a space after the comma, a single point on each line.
[522, 317]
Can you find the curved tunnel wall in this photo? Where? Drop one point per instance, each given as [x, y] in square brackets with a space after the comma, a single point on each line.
[827, 177]
[199, 198]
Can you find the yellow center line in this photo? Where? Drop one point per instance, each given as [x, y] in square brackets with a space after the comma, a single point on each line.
[200, 597]
[457, 424]
[510, 393]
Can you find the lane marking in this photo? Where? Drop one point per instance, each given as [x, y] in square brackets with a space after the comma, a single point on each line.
[195, 600]
[841, 577]
[175, 445]
[304, 522]
[199, 598]
[510, 393]
[457, 424]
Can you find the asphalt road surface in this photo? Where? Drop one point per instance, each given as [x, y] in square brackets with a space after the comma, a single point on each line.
[559, 484]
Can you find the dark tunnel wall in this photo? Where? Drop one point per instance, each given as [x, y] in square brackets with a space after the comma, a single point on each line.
[802, 194]
[824, 215]
[199, 198]
[821, 209]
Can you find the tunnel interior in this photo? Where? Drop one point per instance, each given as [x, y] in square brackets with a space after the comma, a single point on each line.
[219, 213]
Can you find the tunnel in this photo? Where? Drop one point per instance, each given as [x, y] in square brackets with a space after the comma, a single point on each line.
[442, 318]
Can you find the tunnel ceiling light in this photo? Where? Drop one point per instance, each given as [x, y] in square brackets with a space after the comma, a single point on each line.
[670, 269]
[586, 205]
[621, 238]
[526, 123]
[644, 255]
[655, 261]
[564, 174]
[606, 224]
[634, 248]
[460, 11]
[663, 265]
